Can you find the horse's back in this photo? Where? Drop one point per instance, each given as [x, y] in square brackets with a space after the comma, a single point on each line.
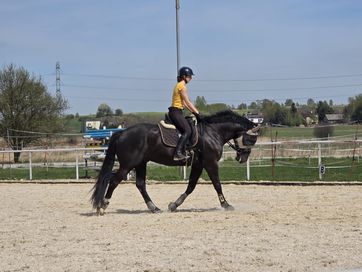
[133, 140]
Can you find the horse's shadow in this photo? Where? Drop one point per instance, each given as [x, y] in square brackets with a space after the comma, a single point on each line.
[119, 211]
[88, 214]
[124, 211]
[200, 210]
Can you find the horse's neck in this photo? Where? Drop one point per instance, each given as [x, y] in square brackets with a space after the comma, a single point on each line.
[224, 131]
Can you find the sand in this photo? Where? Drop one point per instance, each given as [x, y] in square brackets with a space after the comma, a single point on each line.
[51, 227]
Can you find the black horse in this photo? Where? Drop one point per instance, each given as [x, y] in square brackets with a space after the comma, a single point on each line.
[142, 143]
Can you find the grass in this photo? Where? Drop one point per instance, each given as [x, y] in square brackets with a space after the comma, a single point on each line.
[307, 132]
[44, 173]
[285, 170]
[74, 126]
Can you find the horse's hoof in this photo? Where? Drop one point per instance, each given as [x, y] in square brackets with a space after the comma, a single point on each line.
[156, 210]
[152, 207]
[105, 205]
[100, 212]
[172, 207]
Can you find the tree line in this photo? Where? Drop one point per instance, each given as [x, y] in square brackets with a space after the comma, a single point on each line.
[290, 113]
[26, 105]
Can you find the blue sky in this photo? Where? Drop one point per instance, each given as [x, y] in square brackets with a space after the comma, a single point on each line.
[123, 53]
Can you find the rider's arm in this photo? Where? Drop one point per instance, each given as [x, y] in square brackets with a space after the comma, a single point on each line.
[187, 102]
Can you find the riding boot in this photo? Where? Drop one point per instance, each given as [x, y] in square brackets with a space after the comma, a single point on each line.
[179, 155]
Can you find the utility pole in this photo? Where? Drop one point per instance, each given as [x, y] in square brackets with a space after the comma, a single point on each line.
[182, 168]
[57, 77]
[177, 35]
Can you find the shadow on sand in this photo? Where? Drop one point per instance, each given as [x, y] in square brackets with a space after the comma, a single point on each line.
[145, 211]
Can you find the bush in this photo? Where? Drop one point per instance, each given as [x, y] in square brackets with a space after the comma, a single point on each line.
[323, 131]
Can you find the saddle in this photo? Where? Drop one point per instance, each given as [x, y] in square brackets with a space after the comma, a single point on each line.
[170, 135]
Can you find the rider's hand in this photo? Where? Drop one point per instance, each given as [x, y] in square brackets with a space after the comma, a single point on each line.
[198, 117]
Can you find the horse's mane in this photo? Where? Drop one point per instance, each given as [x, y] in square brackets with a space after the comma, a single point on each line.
[226, 117]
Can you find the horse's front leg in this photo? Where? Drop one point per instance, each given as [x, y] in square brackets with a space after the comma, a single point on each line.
[196, 171]
[213, 172]
[141, 186]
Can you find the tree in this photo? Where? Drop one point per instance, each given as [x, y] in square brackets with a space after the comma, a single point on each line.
[322, 109]
[253, 105]
[104, 110]
[118, 112]
[293, 109]
[289, 102]
[27, 106]
[200, 103]
[310, 103]
[213, 108]
[354, 108]
[274, 113]
[242, 106]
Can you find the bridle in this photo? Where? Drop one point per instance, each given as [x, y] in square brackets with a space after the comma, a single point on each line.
[236, 146]
[239, 149]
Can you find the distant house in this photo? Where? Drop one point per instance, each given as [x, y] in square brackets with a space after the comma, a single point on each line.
[334, 118]
[255, 118]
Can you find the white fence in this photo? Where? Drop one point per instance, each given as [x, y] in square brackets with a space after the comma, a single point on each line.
[82, 157]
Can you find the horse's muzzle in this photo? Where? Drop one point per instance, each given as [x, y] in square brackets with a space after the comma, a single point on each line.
[243, 155]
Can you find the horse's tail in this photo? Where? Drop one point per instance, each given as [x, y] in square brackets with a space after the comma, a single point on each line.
[105, 174]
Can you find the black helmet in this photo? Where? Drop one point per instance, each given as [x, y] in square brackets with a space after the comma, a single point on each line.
[185, 71]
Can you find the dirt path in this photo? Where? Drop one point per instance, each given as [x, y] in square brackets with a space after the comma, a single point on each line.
[52, 228]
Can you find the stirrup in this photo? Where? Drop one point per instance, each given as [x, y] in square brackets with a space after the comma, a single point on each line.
[180, 157]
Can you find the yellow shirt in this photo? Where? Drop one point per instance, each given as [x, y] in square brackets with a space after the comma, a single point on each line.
[177, 100]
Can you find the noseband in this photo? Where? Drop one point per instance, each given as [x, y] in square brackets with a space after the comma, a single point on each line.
[236, 146]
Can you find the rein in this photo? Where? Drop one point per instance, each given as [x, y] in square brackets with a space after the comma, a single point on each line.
[235, 146]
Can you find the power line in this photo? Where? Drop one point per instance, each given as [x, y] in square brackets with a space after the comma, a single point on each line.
[118, 77]
[117, 98]
[218, 91]
[214, 80]
[41, 133]
[212, 101]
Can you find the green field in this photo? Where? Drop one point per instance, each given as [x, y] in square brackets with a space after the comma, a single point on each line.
[347, 131]
[74, 126]
[284, 170]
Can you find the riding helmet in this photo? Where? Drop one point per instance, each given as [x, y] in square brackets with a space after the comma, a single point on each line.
[185, 71]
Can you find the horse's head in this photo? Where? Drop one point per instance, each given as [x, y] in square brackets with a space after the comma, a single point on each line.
[234, 126]
[244, 143]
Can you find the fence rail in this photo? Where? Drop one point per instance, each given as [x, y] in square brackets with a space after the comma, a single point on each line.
[80, 157]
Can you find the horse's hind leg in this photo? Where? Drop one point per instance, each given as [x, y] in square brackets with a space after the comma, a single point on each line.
[115, 180]
[141, 186]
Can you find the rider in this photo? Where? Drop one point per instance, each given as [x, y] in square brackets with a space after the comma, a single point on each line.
[180, 100]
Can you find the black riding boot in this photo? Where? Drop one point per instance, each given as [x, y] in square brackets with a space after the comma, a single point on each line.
[181, 144]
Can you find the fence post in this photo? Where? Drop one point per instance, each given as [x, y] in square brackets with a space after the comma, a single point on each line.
[76, 166]
[319, 160]
[30, 167]
[248, 169]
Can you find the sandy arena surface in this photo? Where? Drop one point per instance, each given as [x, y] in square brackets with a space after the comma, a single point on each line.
[47, 227]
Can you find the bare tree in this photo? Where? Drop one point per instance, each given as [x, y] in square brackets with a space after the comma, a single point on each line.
[26, 105]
